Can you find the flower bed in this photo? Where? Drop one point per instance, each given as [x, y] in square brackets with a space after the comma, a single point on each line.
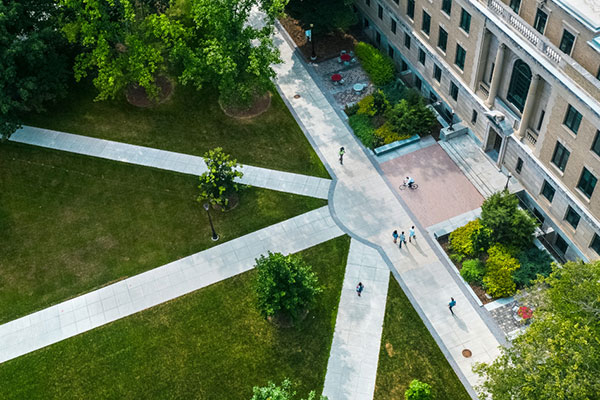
[495, 253]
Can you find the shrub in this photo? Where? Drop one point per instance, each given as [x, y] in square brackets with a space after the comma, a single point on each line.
[351, 110]
[361, 125]
[378, 66]
[472, 271]
[285, 286]
[500, 266]
[218, 184]
[418, 390]
[533, 262]
[365, 106]
[461, 239]
[386, 135]
[380, 102]
[281, 392]
[394, 91]
[410, 120]
[507, 222]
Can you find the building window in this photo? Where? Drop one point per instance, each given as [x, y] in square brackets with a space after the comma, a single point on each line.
[572, 119]
[561, 244]
[437, 73]
[393, 27]
[432, 97]
[541, 120]
[391, 52]
[418, 83]
[519, 85]
[538, 215]
[587, 183]
[426, 24]
[442, 39]
[465, 21]
[410, 9]
[572, 217]
[596, 144]
[397, 1]
[368, 2]
[461, 54]
[366, 21]
[380, 12]
[422, 56]
[474, 117]
[598, 74]
[519, 166]
[404, 66]
[560, 156]
[515, 5]
[566, 43]
[595, 245]
[491, 73]
[378, 39]
[548, 191]
[539, 24]
[447, 6]
[407, 41]
[454, 91]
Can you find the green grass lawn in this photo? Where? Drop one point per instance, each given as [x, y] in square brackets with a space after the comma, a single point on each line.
[71, 223]
[409, 352]
[210, 344]
[190, 122]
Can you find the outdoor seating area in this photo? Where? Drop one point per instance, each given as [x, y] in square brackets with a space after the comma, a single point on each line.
[344, 78]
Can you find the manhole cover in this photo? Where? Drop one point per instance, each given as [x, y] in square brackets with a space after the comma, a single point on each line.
[296, 96]
[467, 353]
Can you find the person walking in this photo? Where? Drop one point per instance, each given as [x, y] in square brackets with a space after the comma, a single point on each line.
[342, 152]
[402, 238]
[359, 288]
[411, 234]
[395, 236]
[451, 304]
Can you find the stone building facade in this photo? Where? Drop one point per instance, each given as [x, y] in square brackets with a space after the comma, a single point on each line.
[524, 77]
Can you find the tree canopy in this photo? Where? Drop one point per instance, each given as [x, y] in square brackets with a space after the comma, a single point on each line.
[33, 60]
[558, 356]
[326, 15]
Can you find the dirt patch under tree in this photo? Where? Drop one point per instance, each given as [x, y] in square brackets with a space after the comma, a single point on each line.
[259, 105]
[137, 95]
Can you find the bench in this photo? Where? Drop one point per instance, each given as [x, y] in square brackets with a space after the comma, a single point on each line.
[396, 145]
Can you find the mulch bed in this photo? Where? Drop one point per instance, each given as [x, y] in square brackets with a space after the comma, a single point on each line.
[443, 241]
[137, 96]
[327, 46]
[259, 106]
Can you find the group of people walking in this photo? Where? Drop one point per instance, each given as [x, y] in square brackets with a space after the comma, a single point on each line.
[401, 238]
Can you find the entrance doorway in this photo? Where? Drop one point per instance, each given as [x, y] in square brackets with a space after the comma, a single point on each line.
[494, 144]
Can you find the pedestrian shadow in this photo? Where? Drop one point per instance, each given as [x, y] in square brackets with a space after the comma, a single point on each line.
[460, 323]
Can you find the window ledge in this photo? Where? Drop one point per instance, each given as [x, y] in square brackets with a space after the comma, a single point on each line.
[583, 195]
[569, 131]
[557, 170]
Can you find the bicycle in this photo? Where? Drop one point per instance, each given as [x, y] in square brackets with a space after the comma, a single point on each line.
[414, 186]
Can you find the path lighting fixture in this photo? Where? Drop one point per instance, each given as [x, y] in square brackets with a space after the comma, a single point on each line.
[215, 237]
[507, 180]
[313, 55]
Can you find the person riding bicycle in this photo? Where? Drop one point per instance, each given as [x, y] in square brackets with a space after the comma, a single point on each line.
[409, 182]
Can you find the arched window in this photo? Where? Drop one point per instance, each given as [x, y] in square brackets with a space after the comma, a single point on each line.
[519, 84]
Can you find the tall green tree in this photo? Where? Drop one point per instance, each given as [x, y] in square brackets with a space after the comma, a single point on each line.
[505, 222]
[558, 356]
[326, 15]
[33, 60]
[230, 46]
[285, 286]
[122, 42]
[218, 185]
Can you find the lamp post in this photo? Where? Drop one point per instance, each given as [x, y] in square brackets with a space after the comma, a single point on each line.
[451, 127]
[313, 55]
[215, 237]
[507, 180]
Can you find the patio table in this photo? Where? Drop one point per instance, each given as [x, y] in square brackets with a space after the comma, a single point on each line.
[336, 77]
[346, 57]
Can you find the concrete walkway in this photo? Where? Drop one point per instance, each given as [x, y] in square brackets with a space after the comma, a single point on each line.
[352, 366]
[159, 285]
[168, 160]
[368, 208]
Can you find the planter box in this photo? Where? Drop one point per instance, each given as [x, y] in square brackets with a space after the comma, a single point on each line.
[396, 145]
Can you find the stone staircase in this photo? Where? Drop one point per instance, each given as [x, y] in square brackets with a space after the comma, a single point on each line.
[455, 148]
